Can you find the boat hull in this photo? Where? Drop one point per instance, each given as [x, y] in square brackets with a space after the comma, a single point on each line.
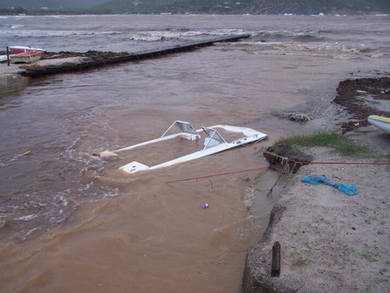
[219, 144]
[380, 122]
[14, 50]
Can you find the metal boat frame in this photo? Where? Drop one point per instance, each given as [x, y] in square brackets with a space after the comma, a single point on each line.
[214, 143]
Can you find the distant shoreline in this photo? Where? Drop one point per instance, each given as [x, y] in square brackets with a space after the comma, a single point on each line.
[80, 13]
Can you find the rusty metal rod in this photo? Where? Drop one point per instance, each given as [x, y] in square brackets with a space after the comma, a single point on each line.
[275, 263]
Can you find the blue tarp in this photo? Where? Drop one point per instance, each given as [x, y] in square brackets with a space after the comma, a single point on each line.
[348, 189]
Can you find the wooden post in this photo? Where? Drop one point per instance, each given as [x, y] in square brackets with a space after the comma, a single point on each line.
[8, 59]
[275, 263]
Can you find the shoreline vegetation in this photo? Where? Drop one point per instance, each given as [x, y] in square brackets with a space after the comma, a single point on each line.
[329, 139]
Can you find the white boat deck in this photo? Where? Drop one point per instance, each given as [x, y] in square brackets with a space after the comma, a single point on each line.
[213, 143]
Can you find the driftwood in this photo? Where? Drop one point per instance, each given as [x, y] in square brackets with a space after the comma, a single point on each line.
[285, 159]
[276, 258]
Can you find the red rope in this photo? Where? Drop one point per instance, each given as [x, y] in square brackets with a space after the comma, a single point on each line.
[218, 174]
[379, 163]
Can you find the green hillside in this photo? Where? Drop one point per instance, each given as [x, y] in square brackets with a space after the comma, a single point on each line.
[245, 6]
[202, 6]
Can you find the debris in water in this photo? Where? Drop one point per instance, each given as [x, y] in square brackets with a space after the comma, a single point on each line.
[213, 143]
[298, 117]
[107, 155]
[26, 153]
[2, 223]
[284, 158]
[29, 232]
[204, 205]
[27, 218]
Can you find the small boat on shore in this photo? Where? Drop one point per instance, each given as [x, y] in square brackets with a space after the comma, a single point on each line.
[14, 50]
[381, 122]
[23, 54]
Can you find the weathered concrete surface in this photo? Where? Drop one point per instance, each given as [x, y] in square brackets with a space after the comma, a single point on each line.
[57, 62]
[10, 80]
[94, 59]
[330, 242]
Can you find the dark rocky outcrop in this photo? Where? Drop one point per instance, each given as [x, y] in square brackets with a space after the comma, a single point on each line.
[363, 97]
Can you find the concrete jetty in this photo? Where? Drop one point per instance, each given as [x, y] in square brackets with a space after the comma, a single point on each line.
[93, 59]
[10, 79]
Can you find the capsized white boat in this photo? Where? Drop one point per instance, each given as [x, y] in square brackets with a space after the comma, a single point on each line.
[213, 143]
[380, 122]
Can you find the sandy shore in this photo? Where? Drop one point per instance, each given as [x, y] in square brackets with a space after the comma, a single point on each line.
[330, 242]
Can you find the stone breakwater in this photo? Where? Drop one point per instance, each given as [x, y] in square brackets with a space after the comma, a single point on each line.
[13, 78]
[54, 63]
[10, 80]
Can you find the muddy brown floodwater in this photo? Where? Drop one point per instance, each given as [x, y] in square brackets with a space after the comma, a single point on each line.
[72, 223]
[155, 238]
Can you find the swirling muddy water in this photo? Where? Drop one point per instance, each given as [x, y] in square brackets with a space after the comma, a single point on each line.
[72, 223]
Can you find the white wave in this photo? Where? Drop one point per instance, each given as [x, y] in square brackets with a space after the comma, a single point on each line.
[16, 26]
[154, 36]
[27, 218]
[331, 49]
[49, 33]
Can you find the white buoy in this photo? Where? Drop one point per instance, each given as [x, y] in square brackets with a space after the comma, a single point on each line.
[108, 155]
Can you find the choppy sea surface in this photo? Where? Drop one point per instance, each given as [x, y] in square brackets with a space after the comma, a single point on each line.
[50, 130]
[132, 32]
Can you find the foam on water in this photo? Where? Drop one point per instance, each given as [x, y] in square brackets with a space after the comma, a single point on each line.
[154, 36]
[16, 32]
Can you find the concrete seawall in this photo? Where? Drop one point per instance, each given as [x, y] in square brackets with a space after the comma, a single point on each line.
[10, 80]
[93, 59]
[16, 77]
